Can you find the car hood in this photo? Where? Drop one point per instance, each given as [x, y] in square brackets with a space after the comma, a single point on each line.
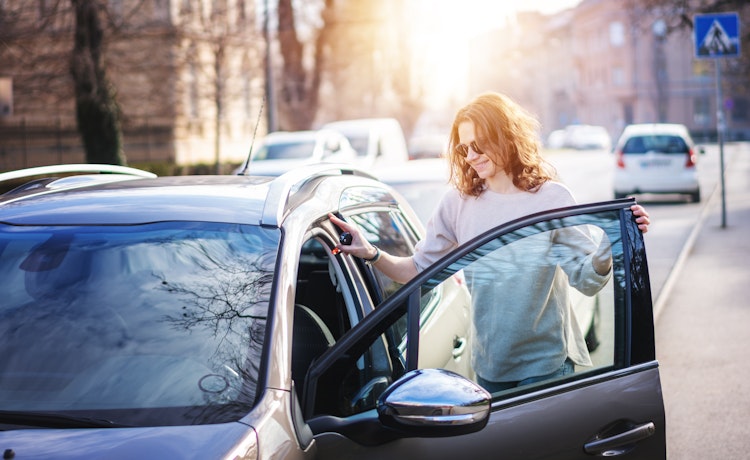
[183, 442]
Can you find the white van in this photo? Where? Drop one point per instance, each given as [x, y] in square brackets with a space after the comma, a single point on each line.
[379, 142]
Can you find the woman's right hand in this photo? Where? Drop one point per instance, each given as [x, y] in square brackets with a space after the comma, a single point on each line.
[359, 246]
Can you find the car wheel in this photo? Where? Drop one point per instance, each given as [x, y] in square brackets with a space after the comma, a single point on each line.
[696, 196]
[592, 335]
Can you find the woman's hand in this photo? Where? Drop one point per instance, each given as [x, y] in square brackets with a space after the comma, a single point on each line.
[642, 218]
[359, 246]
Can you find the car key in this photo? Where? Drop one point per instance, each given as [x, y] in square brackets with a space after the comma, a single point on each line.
[346, 239]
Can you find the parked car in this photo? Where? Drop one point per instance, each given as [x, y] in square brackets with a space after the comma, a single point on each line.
[379, 142]
[427, 146]
[656, 158]
[580, 137]
[587, 137]
[282, 151]
[556, 139]
[209, 317]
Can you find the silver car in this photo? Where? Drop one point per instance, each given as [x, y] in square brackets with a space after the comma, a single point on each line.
[209, 317]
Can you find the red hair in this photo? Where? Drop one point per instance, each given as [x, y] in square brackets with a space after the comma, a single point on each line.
[508, 135]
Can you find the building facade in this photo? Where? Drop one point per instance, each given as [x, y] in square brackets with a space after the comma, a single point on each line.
[189, 79]
[608, 63]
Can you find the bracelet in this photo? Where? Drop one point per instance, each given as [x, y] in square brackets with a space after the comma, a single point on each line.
[374, 258]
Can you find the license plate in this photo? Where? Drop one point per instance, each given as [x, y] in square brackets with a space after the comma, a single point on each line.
[654, 163]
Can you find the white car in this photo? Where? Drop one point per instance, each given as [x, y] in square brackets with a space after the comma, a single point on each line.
[282, 151]
[587, 137]
[656, 158]
[379, 142]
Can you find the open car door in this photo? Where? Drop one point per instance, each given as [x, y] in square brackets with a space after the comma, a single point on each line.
[369, 396]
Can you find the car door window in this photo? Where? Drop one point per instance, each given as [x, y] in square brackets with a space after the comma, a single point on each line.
[535, 297]
[387, 230]
[533, 300]
[522, 309]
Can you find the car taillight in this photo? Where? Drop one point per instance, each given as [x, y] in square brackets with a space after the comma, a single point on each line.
[690, 159]
[620, 159]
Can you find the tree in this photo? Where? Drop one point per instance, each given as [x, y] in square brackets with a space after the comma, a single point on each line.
[97, 112]
[300, 87]
[187, 75]
[355, 62]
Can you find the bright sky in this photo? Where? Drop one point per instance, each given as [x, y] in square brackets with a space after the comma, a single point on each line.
[442, 29]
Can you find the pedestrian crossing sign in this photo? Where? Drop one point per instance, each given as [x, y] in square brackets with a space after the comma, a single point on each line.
[716, 35]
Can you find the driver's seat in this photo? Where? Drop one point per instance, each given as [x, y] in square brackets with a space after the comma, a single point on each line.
[310, 339]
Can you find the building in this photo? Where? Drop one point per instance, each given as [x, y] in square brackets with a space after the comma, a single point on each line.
[608, 63]
[189, 76]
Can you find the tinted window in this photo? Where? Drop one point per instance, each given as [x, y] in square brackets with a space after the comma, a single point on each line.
[158, 324]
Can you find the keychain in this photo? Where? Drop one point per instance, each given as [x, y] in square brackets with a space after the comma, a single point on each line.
[346, 239]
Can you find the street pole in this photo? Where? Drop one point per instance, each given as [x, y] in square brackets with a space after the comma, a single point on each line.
[720, 137]
[717, 35]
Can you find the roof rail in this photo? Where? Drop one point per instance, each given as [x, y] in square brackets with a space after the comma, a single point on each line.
[283, 186]
[74, 168]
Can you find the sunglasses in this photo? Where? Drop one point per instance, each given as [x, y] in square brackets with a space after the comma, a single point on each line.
[463, 149]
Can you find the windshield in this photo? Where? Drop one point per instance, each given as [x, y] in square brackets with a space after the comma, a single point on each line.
[360, 143]
[286, 151]
[155, 324]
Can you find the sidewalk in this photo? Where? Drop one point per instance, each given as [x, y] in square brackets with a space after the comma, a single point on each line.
[703, 328]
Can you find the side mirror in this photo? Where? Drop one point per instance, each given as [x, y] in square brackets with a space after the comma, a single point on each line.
[434, 403]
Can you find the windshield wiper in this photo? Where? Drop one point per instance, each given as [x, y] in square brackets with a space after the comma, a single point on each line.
[54, 420]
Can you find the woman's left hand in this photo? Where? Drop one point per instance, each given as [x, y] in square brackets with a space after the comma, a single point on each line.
[641, 217]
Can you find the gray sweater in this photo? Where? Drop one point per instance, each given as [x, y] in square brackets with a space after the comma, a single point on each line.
[523, 323]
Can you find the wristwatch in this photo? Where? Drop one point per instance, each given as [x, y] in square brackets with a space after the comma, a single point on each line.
[374, 258]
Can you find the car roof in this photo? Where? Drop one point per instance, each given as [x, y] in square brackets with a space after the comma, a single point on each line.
[137, 201]
[114, 199]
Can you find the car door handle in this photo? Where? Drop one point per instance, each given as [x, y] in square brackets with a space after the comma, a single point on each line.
[459, 345]
[620, 443]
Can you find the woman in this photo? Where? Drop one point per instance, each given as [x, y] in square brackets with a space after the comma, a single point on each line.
[499, 175]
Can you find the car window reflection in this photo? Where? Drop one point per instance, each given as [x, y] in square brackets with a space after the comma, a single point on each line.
[118, 318]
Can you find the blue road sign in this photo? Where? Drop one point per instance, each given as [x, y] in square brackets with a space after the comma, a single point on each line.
[716, 35]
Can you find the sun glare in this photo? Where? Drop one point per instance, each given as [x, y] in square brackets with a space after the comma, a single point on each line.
[441, 30]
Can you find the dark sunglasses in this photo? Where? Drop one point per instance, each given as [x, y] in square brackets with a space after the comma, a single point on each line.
[463, 149]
